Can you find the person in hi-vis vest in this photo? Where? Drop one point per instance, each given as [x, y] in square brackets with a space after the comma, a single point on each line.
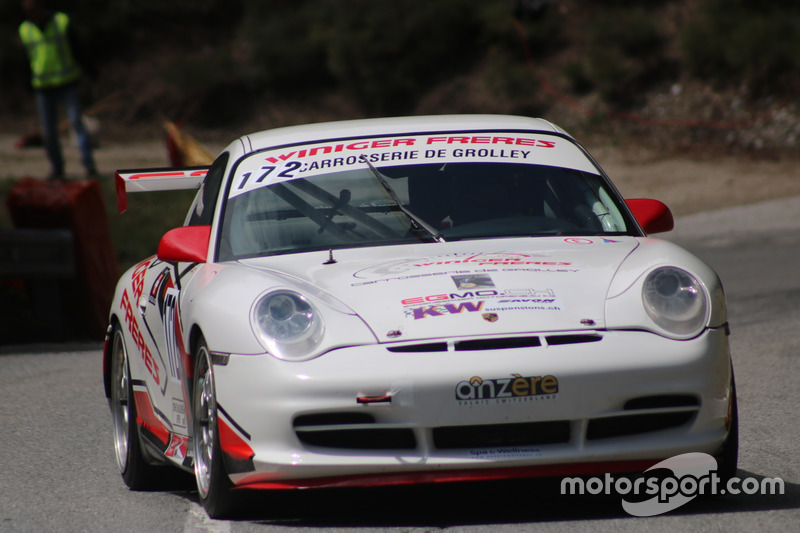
[57, 63]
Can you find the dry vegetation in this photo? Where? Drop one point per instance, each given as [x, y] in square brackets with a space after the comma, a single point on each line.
[667, 94]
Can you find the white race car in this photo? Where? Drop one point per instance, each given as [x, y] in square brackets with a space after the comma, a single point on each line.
[412, 300]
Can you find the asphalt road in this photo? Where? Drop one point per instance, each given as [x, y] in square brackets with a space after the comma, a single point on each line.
[57, 470]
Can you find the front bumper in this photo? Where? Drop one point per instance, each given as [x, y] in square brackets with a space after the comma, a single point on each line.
[367, 414]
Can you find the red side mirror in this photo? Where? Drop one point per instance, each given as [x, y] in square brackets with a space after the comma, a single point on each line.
[187, 244]
[652, 215]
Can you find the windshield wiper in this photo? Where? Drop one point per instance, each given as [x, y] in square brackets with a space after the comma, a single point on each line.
[417, 223]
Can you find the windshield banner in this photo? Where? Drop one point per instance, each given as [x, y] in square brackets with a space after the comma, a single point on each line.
[307, 160]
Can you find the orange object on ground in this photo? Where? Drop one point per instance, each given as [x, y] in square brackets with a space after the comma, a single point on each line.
[183, 149]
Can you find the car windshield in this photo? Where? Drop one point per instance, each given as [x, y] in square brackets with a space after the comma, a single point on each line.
[440, 202]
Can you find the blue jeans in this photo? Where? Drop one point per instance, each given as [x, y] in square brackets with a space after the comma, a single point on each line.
[47, 102]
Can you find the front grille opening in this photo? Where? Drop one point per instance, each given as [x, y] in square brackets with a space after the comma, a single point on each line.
[419, 348]
[662, 401]
[557, 340]
[360, 439]
[492, 435]
[623, 426]
[333, 419]
[498, 344]
[470, 345]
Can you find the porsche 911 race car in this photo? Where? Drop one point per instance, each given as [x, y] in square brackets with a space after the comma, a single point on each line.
[412, 300]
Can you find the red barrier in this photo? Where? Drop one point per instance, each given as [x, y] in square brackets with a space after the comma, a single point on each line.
[79, 207]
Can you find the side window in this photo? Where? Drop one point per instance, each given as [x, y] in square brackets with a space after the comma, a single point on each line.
[203, 211]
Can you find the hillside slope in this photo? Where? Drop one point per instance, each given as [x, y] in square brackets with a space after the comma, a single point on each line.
[673, 74]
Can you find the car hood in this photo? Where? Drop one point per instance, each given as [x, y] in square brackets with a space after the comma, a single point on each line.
[465, 288]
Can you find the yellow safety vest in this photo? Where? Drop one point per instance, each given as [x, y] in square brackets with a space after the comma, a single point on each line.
[52, 62]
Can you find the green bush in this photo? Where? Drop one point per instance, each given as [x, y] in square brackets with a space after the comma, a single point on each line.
[750, 41]
[543, 34]
[227, 55]
[387, 54]
[206, 86]
[282, 49]
[624, 54]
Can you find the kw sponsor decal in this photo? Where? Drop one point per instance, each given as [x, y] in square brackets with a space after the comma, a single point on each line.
[418, 313]
[503, 390]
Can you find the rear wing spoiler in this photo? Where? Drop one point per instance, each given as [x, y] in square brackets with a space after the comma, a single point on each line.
[156, 179]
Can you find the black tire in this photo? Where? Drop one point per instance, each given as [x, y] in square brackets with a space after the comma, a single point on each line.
[136, 472]
[213, 484]
[728, 454]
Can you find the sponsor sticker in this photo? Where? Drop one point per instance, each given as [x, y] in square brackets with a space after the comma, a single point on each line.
[137, 279]
[137, 337]
[178, 445]
[179, 413]
[504, 453]
[488, 301]
[505, 390]
[312, 159]
[427, 311]
[472, 281]
[466, 260]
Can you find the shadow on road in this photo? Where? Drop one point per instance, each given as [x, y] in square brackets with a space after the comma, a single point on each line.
[461, 504]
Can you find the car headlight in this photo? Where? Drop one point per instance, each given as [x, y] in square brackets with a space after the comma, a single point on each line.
[288, 324]
[675, 301]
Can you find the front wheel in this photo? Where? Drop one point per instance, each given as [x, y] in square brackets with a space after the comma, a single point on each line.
[136, 472]
[213, 484]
